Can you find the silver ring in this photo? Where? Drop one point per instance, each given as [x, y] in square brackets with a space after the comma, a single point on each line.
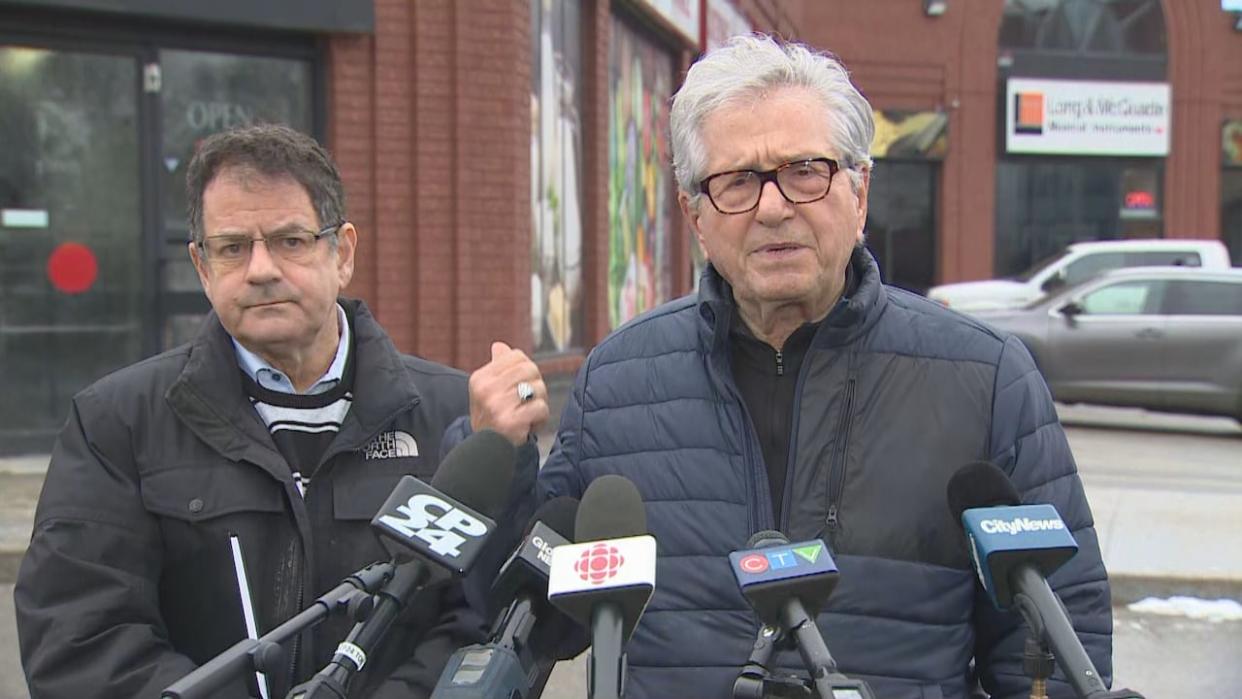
[525, 391]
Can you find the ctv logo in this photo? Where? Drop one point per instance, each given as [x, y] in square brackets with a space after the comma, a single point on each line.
[1018, 525]
[443, 527]
[599, 563]
[776, 559]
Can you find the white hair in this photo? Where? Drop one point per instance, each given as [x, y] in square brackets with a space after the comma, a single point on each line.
[751, 66]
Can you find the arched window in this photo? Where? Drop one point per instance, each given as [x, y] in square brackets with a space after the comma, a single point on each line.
[1088, 27]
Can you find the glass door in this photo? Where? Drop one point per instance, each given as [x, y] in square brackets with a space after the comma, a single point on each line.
[901, 222]
[71, 235]
[204, 93]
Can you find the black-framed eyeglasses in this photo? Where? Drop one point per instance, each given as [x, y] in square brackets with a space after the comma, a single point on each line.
[292, 245]
[800, 182]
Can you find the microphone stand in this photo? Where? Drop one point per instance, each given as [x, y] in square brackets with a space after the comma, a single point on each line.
[756, 680]
[264, 654]
[1056, 635]
[332, 682]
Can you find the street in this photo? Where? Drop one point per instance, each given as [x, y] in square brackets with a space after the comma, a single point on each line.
[1124, 456]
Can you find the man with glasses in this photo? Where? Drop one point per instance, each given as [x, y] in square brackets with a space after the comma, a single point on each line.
[797, 392]
[214, 491]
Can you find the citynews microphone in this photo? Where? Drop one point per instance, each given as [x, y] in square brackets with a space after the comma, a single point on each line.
[787, 584]
[445, 524]
[605, 581]
[508, 665]
[1014, 548]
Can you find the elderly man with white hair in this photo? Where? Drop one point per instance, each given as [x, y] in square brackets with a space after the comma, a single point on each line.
[797, 392]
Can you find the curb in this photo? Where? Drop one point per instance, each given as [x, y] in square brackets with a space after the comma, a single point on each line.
[1127, 589]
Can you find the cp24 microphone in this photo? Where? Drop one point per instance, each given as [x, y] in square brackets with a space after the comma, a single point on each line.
[508, 664]
[787, 584]
[1014, 549]
[606, 580]
[445, 523]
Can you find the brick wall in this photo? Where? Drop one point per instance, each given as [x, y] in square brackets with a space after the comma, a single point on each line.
[429, 120]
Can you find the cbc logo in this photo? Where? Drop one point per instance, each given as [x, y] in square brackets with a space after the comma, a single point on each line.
[754, 564]
[599, 563]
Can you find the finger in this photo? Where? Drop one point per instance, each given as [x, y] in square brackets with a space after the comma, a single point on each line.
[499, 349]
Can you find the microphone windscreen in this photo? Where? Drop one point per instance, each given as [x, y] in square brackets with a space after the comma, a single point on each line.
[766, 538]
[980, 484]
[477, 472]
[558, 514]
[611, 508]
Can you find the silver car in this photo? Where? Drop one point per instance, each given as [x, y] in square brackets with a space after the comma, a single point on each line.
[1162, 338]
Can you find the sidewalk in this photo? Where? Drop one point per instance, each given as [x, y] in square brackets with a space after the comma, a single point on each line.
[1155, 542]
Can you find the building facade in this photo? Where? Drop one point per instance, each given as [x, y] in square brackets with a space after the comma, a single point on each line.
[505, 161]
[1066, 120]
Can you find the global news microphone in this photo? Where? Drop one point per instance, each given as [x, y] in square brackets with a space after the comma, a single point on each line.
[795, 391]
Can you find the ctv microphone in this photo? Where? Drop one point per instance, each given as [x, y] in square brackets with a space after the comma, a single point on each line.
[606, 580]
[787, 584]
[1014, 549]
[446, 523]
[508, 664]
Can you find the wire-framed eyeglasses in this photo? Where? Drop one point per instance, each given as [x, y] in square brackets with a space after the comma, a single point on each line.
[294, 245]
[800, 182]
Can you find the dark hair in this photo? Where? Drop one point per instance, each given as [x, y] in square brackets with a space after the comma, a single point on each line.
[272, 150]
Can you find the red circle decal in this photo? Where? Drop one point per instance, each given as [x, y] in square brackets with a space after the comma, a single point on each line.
[72, 268]
[754, 564]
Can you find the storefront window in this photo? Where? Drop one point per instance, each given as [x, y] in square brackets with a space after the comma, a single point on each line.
[639, 175]
[556, 171]
[70, 233]
[1045, 204]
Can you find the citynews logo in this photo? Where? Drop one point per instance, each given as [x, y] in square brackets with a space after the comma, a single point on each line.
[443, 527]
[1019, 525]
[756, 563]
[599, 563]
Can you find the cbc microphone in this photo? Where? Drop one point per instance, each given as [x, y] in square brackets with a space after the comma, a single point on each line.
[605, 581]
[445, 523]
[508, 665]
[1014, 549]
[787, 584]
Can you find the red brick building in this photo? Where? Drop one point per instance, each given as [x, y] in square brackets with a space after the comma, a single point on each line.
[507, 162]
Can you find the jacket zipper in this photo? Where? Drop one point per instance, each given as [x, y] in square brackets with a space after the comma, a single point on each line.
[836, 479]
[780, 363]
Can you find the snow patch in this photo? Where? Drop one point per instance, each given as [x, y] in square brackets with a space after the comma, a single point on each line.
[1190, 607]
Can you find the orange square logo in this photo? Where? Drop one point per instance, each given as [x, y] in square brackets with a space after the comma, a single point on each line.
[1029, 109]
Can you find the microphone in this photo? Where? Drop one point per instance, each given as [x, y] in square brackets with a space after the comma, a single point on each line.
[787, 584]
[508, 664]
[606, 580]
[445, 523]
[1014, 549]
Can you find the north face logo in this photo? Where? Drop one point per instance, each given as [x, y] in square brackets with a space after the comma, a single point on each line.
[392, 445]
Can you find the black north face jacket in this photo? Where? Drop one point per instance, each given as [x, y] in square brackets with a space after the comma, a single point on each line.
[129, 582]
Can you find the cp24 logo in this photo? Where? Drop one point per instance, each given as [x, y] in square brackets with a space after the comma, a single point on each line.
[439, 524]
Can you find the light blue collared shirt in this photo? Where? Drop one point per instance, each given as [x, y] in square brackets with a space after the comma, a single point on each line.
[272, 379]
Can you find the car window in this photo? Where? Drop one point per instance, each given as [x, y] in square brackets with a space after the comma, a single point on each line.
[1197, 298]
[1091, 264]
[1157, 258]
[1124, 298]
